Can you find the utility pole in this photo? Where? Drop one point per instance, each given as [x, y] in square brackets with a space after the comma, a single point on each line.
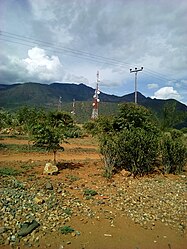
[96, 99]
[136, 70]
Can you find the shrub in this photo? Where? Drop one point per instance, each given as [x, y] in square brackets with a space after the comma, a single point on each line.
[73, 132]
[138, 150]
[174, 153]
[108, 147]
[130, 140]
[66, 229]
[134, 150]
[90, 127]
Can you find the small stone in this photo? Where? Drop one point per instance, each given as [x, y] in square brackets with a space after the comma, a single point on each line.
[39, 200]
[68, 242]
[59, 190]
[107, 235]
[49, 186]
[13, 238]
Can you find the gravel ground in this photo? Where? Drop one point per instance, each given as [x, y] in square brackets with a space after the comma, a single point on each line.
[145, 201]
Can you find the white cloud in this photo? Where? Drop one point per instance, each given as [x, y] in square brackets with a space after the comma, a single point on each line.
[167, 93]
[152, 86]
[40, 65]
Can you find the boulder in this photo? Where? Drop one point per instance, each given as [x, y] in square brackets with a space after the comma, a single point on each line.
[28, 227]
[50, 169]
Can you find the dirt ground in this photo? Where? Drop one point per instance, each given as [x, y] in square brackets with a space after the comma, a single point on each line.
[83, 160]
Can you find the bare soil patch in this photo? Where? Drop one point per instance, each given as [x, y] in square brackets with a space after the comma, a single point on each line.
[144, 213]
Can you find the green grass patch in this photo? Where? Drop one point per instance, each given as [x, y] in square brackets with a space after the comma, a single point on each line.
[66, 229]
[82, 150]
[5, 171]
[28, 166]
[90, 192]
[21, 148]
[73, 178]
[68, 211]
[2, 146]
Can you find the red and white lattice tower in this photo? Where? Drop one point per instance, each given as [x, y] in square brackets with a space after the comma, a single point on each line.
[96, 99]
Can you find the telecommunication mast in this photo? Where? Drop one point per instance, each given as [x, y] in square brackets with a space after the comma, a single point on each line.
[96, 99]
[60, 104]
[73, 106]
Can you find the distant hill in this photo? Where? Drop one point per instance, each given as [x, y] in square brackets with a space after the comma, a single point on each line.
[47, 96]
[41, 94]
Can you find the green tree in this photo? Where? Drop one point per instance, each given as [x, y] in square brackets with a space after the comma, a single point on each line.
[48, 137]
[132, 115]
[170, 116]
[6, 119]
[60, 119]
[28, 117]
[49, 133]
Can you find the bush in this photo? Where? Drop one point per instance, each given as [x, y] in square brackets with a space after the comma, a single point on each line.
[73, 132]
[130, 140]
[174, 153]
[90, 127]
[108, 147]
[184, 130]
[134, 150]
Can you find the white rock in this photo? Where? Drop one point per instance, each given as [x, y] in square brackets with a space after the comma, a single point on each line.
[50, 169]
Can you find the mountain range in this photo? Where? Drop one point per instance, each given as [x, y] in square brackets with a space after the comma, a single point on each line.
[47, 96]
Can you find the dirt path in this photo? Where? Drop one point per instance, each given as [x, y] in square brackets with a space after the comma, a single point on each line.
[48, 157]
[73, 150]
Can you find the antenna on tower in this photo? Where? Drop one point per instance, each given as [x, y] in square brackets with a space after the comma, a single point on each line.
[73, 106]
[96, 99]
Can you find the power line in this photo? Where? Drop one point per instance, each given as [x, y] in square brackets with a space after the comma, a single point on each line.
[28, 41]
[48, 44]
[58, 51]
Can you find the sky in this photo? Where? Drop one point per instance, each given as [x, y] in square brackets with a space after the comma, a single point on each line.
[48, 41]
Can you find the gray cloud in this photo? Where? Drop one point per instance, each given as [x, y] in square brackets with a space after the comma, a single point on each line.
[145, 33]
[126, 30]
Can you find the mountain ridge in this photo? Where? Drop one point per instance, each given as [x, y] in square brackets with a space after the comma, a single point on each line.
[47, 95]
